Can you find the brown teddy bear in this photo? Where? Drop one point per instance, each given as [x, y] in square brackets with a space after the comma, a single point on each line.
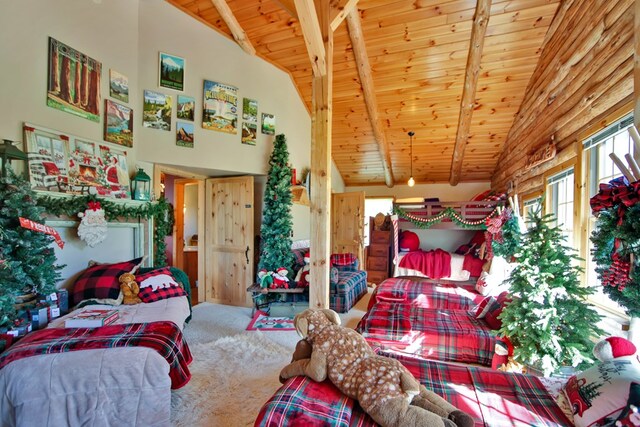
[129, 288]
[385, 389]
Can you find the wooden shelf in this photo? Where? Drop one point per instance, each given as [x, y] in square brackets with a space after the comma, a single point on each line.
[299, 195]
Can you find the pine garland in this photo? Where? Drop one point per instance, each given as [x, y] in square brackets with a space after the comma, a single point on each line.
[548, 321]
[449, 212]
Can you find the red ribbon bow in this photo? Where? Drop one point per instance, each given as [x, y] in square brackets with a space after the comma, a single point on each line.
[94, 205]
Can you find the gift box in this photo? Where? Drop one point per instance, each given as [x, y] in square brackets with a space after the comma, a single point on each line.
[39, 316]
[63, 301]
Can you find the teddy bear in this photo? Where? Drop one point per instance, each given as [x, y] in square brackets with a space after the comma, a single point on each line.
[302, 278]
[129, 288]
[385, 389]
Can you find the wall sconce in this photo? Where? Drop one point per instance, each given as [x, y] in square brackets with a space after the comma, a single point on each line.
[9, 152]
[411, 181]
[141, 186]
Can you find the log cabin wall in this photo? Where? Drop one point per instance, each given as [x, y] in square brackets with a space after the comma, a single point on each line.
[584, 77]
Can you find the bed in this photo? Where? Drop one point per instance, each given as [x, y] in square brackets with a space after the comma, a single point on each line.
[128, 386]
[493, 398]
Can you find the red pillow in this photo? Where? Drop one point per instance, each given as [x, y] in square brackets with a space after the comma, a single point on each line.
[409, 241]
[101, 280]
[491, 316]
[51, 168]
[158, 284]
[343, 259]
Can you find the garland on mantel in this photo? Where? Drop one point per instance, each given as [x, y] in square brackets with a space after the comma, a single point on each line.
[161, 212]
[448, 212]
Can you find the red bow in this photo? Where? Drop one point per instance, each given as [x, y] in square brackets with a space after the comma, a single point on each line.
[94, 205]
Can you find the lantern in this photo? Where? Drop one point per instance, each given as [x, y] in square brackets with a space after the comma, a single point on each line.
[141, 186]
[8, 152]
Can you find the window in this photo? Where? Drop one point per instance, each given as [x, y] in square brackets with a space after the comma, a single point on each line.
[373, 206]
[601, 169]
[529, 207]
[560, 190]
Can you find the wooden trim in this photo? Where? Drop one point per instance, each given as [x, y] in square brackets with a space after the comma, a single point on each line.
[288, 6]
[342, 12]
[611, 117]
[312, 36]
[636, 65]
[480, 23]
[368, 89]
[239, 35]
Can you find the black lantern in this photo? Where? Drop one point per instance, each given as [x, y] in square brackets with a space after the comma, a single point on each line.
[141, 186]
[9, 152]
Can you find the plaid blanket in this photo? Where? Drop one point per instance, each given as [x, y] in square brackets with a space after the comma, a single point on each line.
[492, 398]
[427, 293]
[163, 337]
[449, 335]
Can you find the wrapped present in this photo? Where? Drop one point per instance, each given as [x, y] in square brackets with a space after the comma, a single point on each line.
[39, 316]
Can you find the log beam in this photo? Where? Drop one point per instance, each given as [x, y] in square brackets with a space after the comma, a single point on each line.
[288, 6]
[341, 12]
[366, 81]
[479, 29]
[313, 36]
[237, 32]
[636, 65]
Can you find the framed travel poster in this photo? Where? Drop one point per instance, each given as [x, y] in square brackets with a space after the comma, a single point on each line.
[171, 72]
[73, 82]
[268, 124]
[47, 158]
[184, 134]
[220, 107]
[157, 111]
[118, 123]
[249, 121]
[118, 86]
[186, 107]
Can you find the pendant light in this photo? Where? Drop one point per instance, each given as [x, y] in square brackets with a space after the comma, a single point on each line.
[411, 181]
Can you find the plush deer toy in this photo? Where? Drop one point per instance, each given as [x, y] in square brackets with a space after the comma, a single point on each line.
[385, 389]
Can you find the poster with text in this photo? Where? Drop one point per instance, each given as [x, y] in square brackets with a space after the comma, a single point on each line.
[118, 123]
[157, 110]
[268, 124]
[184, 134]
[220, 107]
[249, 121]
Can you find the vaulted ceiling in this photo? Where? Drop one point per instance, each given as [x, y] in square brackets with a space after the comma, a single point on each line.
[419, 72]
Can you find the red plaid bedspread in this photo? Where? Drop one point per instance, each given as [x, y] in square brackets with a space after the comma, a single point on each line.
[163, 337]
[427, 293]
[449, 335]
[493, 398]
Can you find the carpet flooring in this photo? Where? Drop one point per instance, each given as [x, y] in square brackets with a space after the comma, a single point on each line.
[234, 371]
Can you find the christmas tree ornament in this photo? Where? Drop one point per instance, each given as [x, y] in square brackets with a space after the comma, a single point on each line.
[93, 225]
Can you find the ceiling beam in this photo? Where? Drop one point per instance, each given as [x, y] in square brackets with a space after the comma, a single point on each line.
[288, 6]
[479, 29]
[236, 30]
[312, 36]
[341, 12]
[370, 100]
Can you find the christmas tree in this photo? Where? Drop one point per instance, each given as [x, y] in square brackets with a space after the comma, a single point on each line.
[27, 260]
[548, 321]
[277, 223]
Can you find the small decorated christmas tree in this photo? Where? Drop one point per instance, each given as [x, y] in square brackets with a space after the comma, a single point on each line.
[27, 259]
[277, 223]
[549, 320]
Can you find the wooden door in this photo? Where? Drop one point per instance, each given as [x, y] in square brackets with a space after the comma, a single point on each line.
[180, 240]
[347, 224]
[229, 240]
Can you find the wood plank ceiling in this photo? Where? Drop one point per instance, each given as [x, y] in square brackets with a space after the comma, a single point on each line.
[417, 51]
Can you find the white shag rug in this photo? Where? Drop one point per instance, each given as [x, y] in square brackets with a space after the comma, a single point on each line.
[232, 377]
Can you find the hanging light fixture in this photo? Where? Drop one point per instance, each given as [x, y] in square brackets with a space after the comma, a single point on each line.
[411, 181]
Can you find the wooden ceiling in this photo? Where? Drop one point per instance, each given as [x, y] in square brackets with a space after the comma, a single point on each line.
[417, 52]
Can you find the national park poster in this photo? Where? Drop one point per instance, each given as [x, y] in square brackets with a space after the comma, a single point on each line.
[157, 110]
[268, 124]
[118, 123]
[184, 134]
[118, 86]
[220, 107]
[249, 121]
[171, 72]
[186, 107]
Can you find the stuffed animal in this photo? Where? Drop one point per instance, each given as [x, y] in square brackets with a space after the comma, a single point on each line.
[265, 278]
[302, 278]
[280, 279]
[129, 288]
[385, 389]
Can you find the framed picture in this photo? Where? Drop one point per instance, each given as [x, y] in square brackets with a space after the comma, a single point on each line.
[73, 82]
[220, 107]
[184, 134]
[118, 86]
[186, 107]
[249, 121]
[268, 124]
[171, 72]
[114, 177]
[157, 110]
[118, 123]
[47, 158]
[84, 167]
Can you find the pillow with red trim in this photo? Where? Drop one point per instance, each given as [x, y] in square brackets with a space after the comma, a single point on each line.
[343, 259]
[100, 282]
[158, 284]
[491, 315]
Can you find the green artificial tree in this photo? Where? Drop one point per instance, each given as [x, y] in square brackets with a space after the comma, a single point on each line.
[277, 223]
[548, 320]
[507, 244]
[27, 259]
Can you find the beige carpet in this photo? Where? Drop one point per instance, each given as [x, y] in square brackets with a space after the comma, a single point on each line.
[234, 371]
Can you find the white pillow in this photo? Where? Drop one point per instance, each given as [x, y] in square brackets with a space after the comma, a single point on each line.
[493, 281]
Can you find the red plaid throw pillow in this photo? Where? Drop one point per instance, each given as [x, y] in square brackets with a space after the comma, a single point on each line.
[343, 259]
[158, 284]
[101, 281]
[491, 317]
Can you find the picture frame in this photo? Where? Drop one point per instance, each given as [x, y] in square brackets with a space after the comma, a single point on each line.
[184, 134]
[268, 125]
[186, 108]
[249, 121]
[220, 107]
[116, 172]
[118, 86]
[118, 123]
[171, 71]
[73, 83]
[157, 110]
[47, 158]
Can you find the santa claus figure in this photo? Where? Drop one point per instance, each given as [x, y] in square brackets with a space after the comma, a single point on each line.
[280, 279]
